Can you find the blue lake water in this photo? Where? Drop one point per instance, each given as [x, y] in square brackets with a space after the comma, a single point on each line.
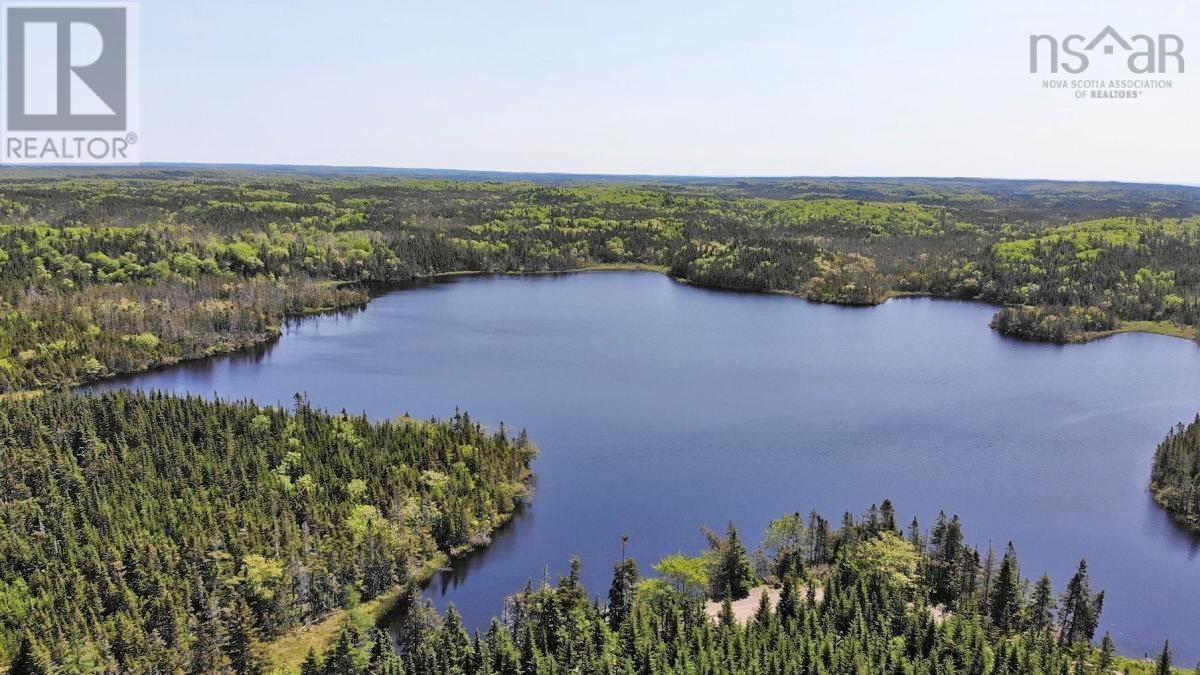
[661, 407]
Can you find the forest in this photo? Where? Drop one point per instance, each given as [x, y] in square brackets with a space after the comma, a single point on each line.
[154, 533]
[104, 272]
[1175, 474]
[867, 597]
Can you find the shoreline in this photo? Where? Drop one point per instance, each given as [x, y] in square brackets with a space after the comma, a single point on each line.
[374, 289]
[286, 653]
[1191, 524]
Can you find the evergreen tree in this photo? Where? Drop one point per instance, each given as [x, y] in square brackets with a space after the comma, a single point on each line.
[312, 664]
[27, 660]
[621, 592]
[225, 525]
[1079, 613]
[1006, 596]
[727, 618]
[1163, 664]
[1108, 652]
[343, 657]
[734, 576]
[762, 615]
[1175, 473]
[382, 659]
[887, 516]
[455, 644]
[242, 648]
[1041, 608]
[914, 535]
[789, 603]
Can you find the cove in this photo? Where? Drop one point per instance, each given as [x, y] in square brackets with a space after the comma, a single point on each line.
[660, 407]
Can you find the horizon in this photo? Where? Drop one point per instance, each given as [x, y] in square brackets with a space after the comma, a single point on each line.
[366, 169]
[769, 89]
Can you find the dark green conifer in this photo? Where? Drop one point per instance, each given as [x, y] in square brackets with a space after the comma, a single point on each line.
[1163, 664]
[734, 576]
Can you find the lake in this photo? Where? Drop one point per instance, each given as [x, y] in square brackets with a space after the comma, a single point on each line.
[660, 407]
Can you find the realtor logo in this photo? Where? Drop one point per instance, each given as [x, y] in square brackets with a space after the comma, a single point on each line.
[70, 82]
[1145, 54]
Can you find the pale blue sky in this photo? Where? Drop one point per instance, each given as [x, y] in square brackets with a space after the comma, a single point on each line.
[781, 87]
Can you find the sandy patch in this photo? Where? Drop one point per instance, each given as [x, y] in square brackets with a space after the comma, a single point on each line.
[744, 609]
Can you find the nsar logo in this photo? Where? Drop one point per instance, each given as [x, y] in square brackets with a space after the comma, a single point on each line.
[1144, 54]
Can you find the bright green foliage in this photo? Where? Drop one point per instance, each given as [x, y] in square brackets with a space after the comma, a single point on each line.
[687, 575]
[848, 217]
[886, 556]
[1128, 268]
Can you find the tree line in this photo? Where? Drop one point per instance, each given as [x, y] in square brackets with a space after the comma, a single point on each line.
[867, 597]
[108, 273]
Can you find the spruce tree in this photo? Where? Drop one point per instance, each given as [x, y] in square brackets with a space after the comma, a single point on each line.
[1108, 652]
[28, 660]
[621, 592]
[242, 647]
[1006, 596]
[734, 575]
[1041, 607]
[383, 659]
[455, 643]
[914, 535]
[311, 665]
[343, 656]
[1079, 612]
[1163, 665]
[887, 516]
[762, 615]
[727, 618]
[788, 607]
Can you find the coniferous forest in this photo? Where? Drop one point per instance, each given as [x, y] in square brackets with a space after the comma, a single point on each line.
[153, 533]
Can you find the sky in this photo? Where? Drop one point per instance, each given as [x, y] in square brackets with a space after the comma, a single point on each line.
[771, 87]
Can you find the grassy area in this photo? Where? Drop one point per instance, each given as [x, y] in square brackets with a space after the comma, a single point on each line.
[1156, 327]
[909, 294]
[285, 654]
[645, 267]
[1128, 666]
[598, 267]
[21, 395]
